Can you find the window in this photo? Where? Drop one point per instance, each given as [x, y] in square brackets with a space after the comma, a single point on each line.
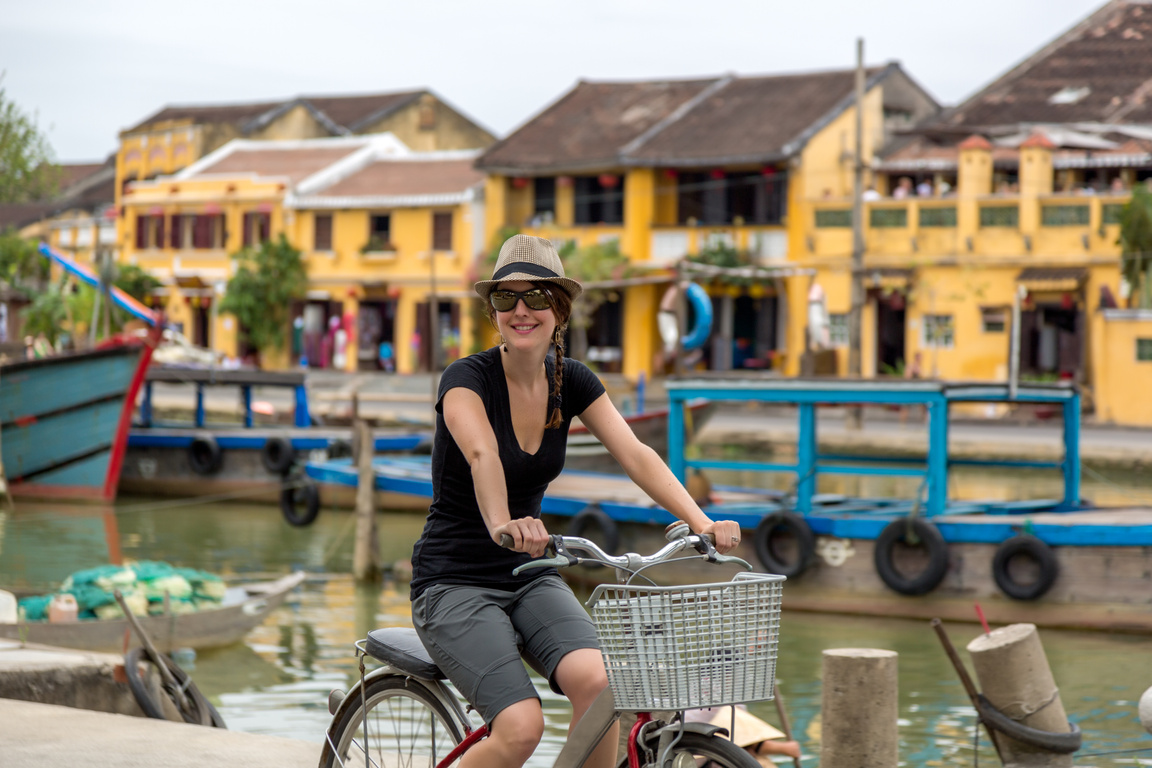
[442, 231]
[149, 231]
[833, 218]
[322, 232]
[838, 330]
[544, 198]
[1144, 350]
[938, 331]
[994, 319]
[599, 199]
[938, 217]
[181, 227]
[751, 197]
[888, 217]
[207, 230]
[1000, 216]
[1064, 216]
[257, 228]
[380, 233]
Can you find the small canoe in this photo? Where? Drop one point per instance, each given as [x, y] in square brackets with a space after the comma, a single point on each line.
[243, 609]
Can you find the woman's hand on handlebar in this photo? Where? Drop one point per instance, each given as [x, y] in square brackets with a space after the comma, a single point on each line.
[726, 534]
[528, 535]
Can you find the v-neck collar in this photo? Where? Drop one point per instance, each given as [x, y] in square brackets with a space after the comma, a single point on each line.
[507, 395]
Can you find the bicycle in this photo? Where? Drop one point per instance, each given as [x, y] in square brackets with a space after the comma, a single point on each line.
[665, 649]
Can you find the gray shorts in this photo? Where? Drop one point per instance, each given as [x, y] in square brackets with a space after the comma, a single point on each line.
[470, 632]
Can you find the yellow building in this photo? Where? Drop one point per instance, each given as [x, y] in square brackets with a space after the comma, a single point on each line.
[1007, 203]
[384, 232]
[671, 168]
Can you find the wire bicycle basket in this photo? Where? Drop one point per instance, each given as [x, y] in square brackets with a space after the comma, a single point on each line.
[701, 645]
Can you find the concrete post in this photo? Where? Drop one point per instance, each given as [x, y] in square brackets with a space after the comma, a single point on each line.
[1014, 676]
[859, 709]
[366, 551]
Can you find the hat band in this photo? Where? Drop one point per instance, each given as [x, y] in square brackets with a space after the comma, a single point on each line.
[527, 267]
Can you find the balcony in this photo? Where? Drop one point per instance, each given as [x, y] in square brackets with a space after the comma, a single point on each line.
[767, 245]
[993, 226]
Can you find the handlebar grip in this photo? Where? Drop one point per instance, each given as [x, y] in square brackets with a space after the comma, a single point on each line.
[507, 541]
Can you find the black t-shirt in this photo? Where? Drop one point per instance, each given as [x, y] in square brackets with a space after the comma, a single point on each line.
[456, 547]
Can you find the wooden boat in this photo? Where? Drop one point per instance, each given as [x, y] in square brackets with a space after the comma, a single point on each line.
[64, 420]
[198, 458]
[243, 609]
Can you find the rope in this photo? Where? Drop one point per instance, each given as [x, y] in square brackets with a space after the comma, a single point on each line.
[1023, 706]
[197, 500]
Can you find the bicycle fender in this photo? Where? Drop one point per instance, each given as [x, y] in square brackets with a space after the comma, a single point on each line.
[704, 729]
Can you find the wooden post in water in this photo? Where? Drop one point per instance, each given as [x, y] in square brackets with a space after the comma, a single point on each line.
[366, 554]
[858, 709]
[1015, 678]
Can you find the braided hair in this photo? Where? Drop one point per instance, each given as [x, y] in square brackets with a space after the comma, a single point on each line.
[562, 311]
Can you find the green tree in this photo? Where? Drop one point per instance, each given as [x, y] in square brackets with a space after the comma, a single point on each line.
[135, 281]
[27, 171]
[21, 264]
[261, 292]
[1136, 246]
[47, 314]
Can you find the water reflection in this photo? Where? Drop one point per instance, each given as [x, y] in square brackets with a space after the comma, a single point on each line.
[278, 680]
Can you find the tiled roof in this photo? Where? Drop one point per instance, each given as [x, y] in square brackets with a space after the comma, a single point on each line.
[343, 112]
[752, 118]
[1096, 72]
[295, 164]
[676, 122]
[352, 112]
[19, 215]
[387, 178]
[73, 173]
[589, 125]
[201, 114]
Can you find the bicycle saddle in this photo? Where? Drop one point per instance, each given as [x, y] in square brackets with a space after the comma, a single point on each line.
[401, 647]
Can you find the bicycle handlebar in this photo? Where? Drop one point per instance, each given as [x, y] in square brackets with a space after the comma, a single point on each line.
[567, 551]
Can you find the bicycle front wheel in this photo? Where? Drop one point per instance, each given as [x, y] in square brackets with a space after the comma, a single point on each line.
[406, 725]
[697, 750]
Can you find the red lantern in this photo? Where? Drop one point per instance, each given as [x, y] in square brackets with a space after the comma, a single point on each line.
[608, 180]
[519, 182]
[1067, 302]
[671, 174]
[717, 175]
[564, 181]
[768, 170]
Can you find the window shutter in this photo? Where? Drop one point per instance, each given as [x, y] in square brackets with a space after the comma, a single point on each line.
[322, 236]
[247, 236]
[141, 230]
[175, 234]
[160, 231]
[442, 231]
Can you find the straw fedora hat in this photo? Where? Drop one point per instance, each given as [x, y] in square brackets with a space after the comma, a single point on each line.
[534, 259]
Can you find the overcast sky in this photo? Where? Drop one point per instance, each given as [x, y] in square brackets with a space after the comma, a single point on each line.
[88, 68]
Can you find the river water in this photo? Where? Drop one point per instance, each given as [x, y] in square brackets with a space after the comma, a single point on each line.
[276, 682]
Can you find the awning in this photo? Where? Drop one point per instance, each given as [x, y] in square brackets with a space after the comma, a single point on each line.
[192, 282]
[1039, 279]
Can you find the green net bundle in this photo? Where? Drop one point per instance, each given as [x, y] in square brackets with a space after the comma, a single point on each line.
[145, 585]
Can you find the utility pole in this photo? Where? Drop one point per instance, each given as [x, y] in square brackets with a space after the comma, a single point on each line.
[854, 418]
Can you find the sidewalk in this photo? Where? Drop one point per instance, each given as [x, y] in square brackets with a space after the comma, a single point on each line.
[48, 736]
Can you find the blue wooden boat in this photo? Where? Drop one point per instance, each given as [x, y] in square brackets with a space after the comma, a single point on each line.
[64, 420]
[1053, 562]
[251, 458]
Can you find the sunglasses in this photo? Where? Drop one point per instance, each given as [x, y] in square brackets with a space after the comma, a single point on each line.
[505, 301]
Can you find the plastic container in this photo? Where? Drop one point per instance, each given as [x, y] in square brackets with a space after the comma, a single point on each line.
[62, 608]
[8, 612]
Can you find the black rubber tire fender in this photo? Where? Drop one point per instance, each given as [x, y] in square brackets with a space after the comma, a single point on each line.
[929, 536]
[1061, 743]
[202, 713]
[204, 455]
[607, 534]
[300, 504]
[1030, 547]
[772, 525]
[277, 455]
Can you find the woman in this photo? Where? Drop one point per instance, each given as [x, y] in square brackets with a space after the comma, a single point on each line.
[501, 432]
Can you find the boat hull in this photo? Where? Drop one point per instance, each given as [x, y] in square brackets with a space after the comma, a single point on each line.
[202, 629]
[64, 421]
